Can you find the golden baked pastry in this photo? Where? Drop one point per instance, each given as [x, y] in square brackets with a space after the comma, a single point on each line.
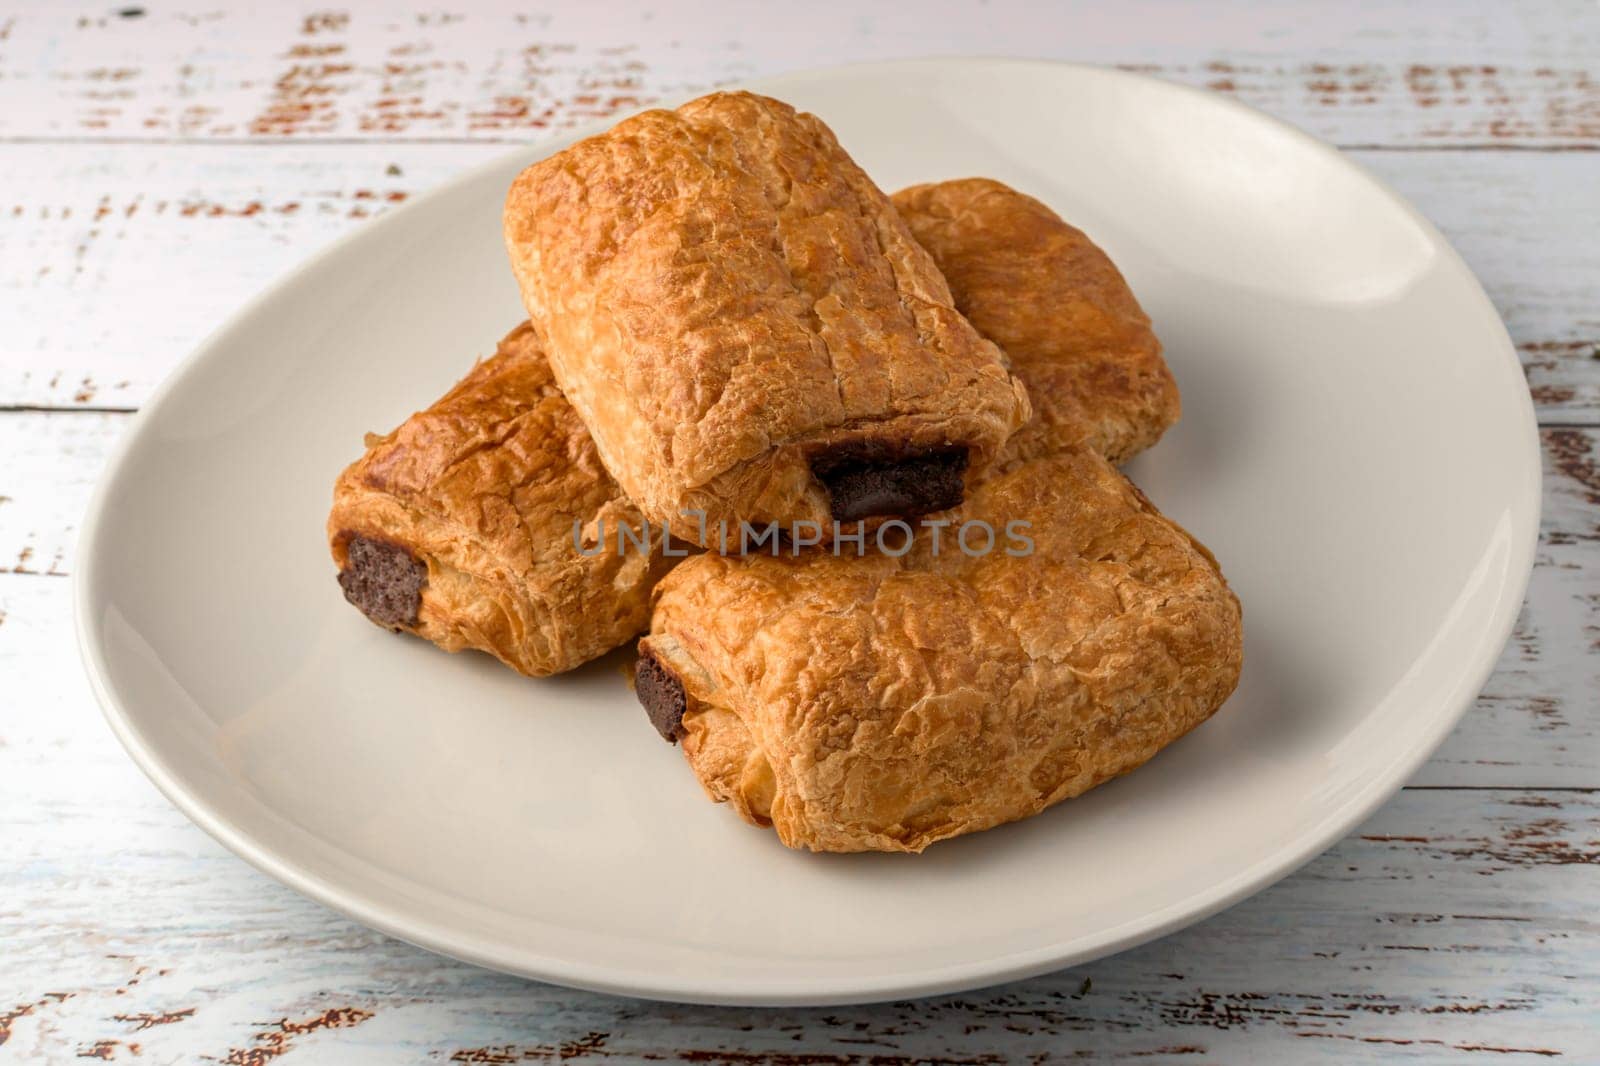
[1058, 306]
[459, 525]
[746, 325]
[883, 704]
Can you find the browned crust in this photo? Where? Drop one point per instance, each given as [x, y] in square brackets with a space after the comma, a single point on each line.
[1059, 308]
[884, 704]
[484, 487]
[723, 293]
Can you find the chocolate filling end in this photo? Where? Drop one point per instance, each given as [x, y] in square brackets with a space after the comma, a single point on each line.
[866, 482]
[384, 580]
[662, 696]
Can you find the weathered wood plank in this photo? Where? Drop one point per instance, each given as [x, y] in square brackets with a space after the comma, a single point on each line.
[1390, 73]
[120, 259]
[49, 464]
[1455, 923]
[1533, 726]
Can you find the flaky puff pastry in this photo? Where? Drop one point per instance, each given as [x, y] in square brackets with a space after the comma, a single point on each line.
[459, 525]
[1059, 308]
[746, 324]
[883, 704]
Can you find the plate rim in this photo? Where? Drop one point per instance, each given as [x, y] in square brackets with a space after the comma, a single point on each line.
[880, 984]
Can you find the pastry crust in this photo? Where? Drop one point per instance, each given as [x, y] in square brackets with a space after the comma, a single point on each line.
[483, 489]
[883, 704]
[1059, 308]
[727, 299]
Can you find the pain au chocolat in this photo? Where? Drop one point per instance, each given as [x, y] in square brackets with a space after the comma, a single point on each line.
[747, 326]
[459, 526]
[888, 702]
[544, 625]
[1058, 307]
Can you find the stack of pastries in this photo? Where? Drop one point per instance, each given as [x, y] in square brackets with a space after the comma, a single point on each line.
[732, 329]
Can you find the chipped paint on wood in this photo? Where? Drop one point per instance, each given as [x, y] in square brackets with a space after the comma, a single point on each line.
[149, 1020]
[51, 463]
[1441, 926]
[165, 240]
[1457, 924]
[279, 1039]
[1392, 73]
[175, 239]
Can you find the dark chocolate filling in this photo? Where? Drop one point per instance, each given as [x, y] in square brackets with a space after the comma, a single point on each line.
[867, 481]
[384, 580]
[662, 695]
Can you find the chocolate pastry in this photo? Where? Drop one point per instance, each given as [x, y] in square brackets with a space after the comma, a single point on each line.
[730, 304]
[886, 703]
[458, 526]
[1057, 305]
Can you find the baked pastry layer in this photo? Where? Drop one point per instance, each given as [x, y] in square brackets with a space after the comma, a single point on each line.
[1058, 307]
[885, 703]
[737, 311]
[458, 526]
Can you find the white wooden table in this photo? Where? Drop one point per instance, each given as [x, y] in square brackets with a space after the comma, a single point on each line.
[161, 162]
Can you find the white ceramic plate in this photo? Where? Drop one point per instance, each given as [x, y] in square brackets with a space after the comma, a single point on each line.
[1357, 446]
